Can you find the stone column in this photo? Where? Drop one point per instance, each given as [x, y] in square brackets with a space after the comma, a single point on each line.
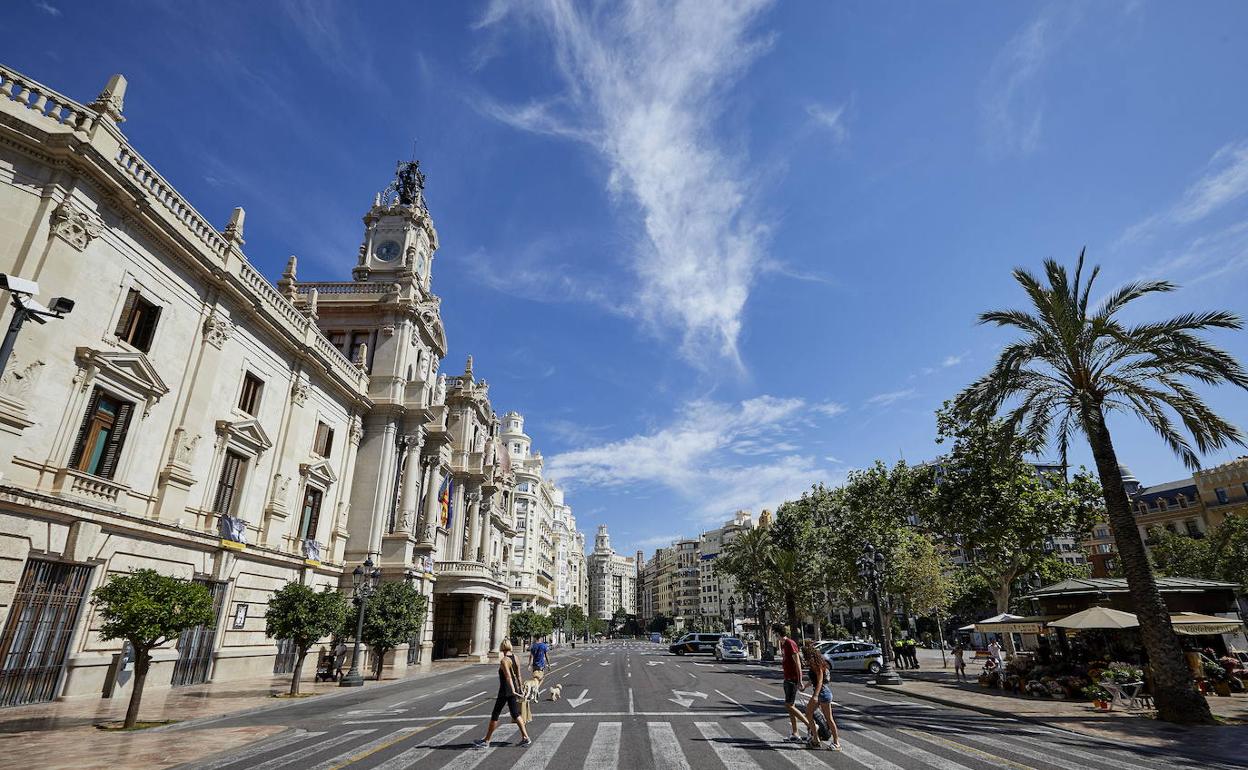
[480, 630]
[409, 502]
[483, 536]
[433, 513]
[473, 522]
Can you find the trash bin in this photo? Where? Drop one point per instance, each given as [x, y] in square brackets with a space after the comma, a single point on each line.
[754, 649]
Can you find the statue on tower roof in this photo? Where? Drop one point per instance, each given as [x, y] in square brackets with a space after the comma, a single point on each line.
[408, 187]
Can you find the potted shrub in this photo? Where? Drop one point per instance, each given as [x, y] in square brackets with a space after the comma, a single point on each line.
[1098, 695]
[1037, 689]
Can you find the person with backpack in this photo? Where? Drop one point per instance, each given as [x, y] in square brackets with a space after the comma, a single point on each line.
[508, 695]
[791, 667]
[821, 700]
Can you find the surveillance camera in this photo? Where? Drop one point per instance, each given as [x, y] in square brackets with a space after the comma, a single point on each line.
[62, 305]
[18, 285]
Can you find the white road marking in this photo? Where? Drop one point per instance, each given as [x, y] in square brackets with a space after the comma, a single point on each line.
[1098, 759]
[471, 758]
[890, 702]
[262, 747]
[604, 751]
[579, 700]
[684, 698]
[343, 758]
[735, 702]
[464, 702]
[733, 756]
[538, 755]
[665, 748]
[630, 700]
[293, 758]
[922, 755]
[770, 696]
[410, 757]
[791, 751]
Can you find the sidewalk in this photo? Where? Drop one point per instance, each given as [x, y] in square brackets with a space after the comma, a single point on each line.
[62, 734]
[1224, 742]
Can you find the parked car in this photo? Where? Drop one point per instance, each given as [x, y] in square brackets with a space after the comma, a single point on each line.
[730, 648]
[852, 656]
[693, 643]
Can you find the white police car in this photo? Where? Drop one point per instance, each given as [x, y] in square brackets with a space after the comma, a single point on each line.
[730, 648]
[852, 656]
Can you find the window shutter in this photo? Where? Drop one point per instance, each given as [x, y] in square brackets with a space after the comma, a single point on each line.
[127, 310]
[150, 318]
[80, 443]
[227, 483]
[112, 450]
[312, 512]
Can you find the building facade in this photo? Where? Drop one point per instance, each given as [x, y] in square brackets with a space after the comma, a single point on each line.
[192, 417]
[612, 579]
[184, 416]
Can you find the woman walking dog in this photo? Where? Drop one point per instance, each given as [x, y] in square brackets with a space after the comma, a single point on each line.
[508, 695]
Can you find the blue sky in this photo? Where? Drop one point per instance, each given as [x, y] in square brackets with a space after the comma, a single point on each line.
[714, 253]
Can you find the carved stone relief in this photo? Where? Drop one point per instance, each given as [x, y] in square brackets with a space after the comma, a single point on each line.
[74, 225]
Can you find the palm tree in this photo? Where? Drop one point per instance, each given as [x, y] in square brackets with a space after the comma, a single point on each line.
[1069, 370]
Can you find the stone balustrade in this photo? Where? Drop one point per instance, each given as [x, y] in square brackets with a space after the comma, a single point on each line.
[84, 485]
[44, 109]
[344, 287]
[46, 103]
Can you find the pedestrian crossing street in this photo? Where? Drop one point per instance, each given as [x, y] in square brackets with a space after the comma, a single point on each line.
[742, 744]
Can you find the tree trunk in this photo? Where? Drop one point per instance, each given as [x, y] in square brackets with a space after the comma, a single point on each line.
[1173, 688]
[142, 662]
[294, 681]
[790, 609]
[1001, 595]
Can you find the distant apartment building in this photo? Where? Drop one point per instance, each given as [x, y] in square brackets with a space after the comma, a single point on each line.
[682, 581]
[612, 579]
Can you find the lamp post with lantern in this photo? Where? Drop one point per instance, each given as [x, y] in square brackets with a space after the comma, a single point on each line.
[871, 570]
[732, 615]
[364, 581]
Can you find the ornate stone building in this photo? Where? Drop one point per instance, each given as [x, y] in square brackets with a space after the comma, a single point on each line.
[191, 417]
[612, 579]
[185, 416]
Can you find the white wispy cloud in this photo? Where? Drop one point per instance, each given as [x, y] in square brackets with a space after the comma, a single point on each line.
[48, 8]
[1223, 180]
[1012, 103]
[830, 119]
[696, 456]
[644, 83]
[829, 409]
[948, 362]
[891, 397]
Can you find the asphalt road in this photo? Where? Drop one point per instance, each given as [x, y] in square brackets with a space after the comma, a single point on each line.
[634, 705]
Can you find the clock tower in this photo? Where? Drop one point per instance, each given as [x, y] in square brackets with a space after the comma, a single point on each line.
[399, 237]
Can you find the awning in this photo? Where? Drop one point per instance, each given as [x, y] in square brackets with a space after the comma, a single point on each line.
[1013, 624]
[1097, 617]
[1195, 624]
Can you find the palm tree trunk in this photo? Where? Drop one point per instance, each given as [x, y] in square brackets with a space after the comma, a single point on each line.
[1173, 688]
[790, 608]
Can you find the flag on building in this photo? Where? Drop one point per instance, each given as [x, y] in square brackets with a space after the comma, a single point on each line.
[445, 495]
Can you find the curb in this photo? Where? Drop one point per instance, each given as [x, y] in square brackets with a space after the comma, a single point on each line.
[1154, 750]
[281, 704]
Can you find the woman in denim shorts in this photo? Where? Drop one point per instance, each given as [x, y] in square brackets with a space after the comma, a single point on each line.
[817, 670]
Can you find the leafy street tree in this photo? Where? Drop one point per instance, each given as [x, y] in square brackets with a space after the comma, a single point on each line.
[1222, 554]
[558, 618]
[149, 609]
[393, 616]
[990, 501]
[576, 619]
[921, 575]
[659, 623]
[796, 575]
[522, 623]
[1073, 366]
[747, 560]
[596, 626]
[304, 616]
[618, 619]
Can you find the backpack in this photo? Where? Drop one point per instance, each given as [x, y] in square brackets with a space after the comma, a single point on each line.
[821, 725]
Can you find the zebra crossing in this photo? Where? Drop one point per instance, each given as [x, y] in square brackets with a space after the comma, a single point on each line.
[679, 745]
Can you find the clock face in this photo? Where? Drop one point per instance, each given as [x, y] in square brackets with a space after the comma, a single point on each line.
[387, 251]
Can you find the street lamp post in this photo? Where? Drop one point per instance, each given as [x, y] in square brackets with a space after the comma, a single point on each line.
[364, 580]
[871, 570]
[26, 308]
[732, 615]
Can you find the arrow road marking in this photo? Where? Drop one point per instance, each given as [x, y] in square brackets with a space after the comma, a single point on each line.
[580, 699]
[605, 663]
[686, 698]
[656, 663]
[464, 702]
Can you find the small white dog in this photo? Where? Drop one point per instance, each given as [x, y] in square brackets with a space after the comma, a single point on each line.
[556, 690]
